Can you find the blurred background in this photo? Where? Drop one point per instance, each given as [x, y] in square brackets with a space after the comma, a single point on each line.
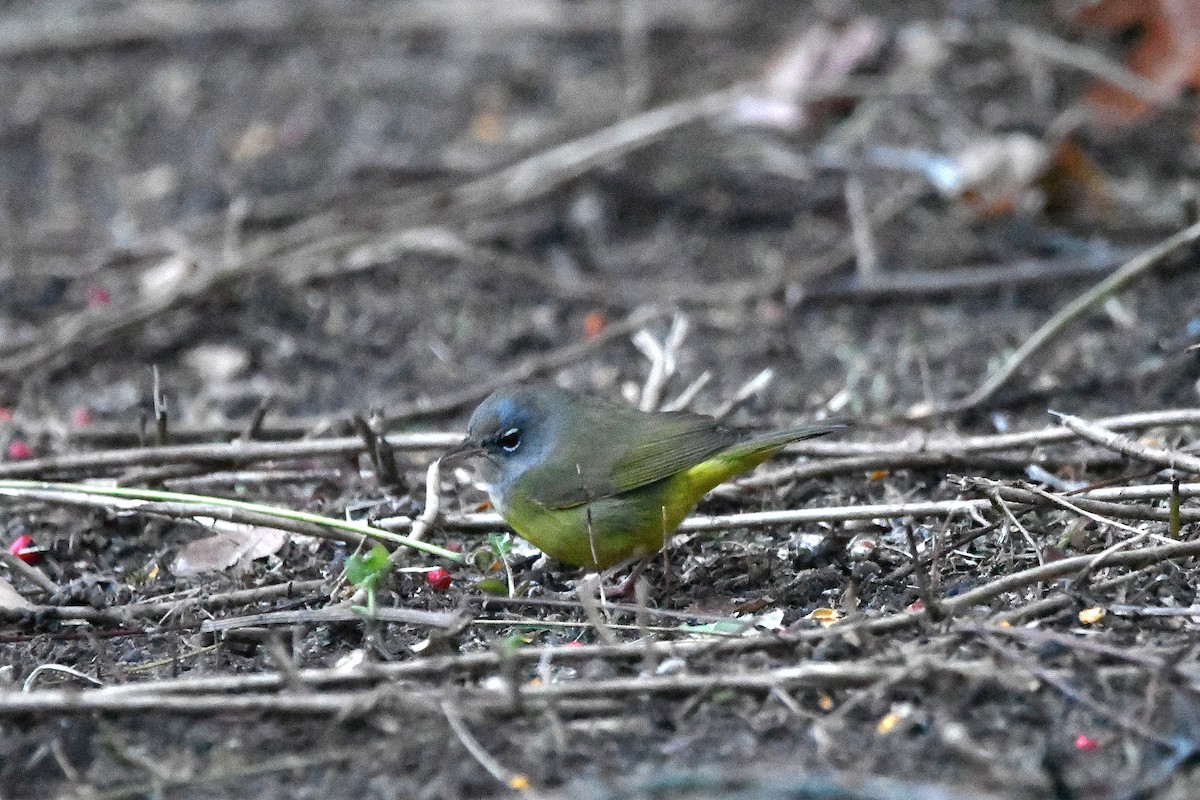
[351, 204]
[301, 219]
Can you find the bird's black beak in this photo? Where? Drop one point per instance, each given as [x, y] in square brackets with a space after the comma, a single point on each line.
[464, 449]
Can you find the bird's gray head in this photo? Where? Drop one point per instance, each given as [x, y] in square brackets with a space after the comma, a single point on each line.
[514, 429]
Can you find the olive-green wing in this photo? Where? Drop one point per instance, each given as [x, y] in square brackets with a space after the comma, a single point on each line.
[675, 442]
[617, 450]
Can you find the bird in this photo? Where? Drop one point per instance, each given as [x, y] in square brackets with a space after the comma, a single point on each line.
[595, 483]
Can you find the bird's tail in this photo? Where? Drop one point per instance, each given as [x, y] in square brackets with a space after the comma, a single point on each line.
[774, 440]
[753, 451]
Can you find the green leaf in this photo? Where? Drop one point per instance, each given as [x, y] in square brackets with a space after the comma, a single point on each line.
[492, 586]
[500, 543]
[721, 627]
[367, 571]
[744, 626]
[483, 559]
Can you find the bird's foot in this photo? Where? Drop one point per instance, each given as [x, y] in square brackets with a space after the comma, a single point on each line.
[625, 587]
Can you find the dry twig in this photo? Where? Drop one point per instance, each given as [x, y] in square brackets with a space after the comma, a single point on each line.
[1168, 459]
[1117, 281]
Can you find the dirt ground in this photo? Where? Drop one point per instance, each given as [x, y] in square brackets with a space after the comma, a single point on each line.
[242, 240]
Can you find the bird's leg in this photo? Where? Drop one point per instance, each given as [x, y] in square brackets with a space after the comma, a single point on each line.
[591, 533]
[625, 587]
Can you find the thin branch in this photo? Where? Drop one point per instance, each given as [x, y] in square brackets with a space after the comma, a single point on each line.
[914, 453]
[1049, 605]
[150, 696]
[1092, 501]
[26, 35]
[998, 501]
[229, 455]
[28, 572]
[546, 171]
[158, 607]
[1132, 270]
[1086, 59]
[892, 286]
[1041, 637]
[1066, 566]
[477, 750]
[1169, 459]
[1125, 610]
[406, 616]
[1054, 434]
[433, 502]
[161, 609]
[1067, 688]
[917, 460]
[663, 357]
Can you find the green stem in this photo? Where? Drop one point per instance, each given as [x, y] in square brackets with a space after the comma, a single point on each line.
[1173, 526]
[152, 495]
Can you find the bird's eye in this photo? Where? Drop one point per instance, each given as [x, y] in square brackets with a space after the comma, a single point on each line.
[510, 440]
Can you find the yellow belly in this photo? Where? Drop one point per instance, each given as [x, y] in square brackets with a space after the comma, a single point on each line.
[609, 530]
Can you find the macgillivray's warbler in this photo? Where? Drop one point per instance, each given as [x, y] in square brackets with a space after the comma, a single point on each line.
[592, 482]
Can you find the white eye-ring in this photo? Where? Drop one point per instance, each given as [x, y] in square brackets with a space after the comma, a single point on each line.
[510, 440]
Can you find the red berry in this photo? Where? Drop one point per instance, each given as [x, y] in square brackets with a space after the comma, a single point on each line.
[1085, 742]
[97, 296]
[80, 416]
[22, 548]
[593, 325]
[18, 450]
[438, 579]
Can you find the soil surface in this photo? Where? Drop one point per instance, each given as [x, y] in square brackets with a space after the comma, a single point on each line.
[242, 241]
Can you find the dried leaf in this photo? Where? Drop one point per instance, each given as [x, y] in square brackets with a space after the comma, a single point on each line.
[822, 55]
[825, 616]
[231, 544]
[1166, 53]
[1075, 185]
[888, 723]
[991, 175]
